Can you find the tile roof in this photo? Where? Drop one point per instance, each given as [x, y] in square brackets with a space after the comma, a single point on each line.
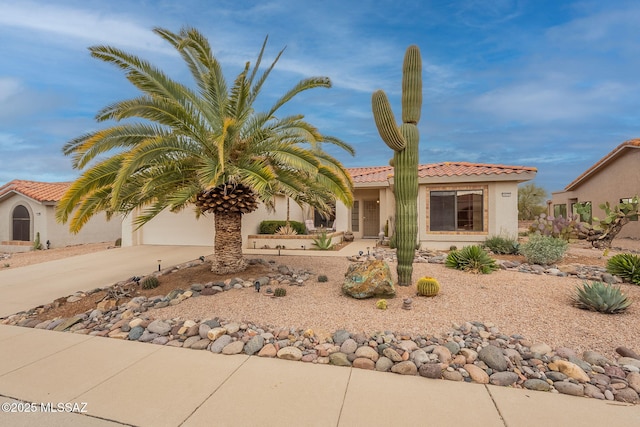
[40, 191]
[383, 173]
[632, 143]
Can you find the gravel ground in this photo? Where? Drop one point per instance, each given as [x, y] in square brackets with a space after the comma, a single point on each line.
[535, 306]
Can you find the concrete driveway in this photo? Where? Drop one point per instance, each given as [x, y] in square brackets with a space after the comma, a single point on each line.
[27, 287]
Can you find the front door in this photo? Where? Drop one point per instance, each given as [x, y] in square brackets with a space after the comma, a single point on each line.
[371, 219]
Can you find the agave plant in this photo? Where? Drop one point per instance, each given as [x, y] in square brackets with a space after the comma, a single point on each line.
[627, 266]
[600, 297]
[471, 258]
[323, 242]
[286, 230]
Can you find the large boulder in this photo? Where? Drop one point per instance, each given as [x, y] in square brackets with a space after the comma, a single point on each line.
[369, 279]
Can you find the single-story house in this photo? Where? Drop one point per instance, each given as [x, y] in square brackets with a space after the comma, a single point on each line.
[27, 209]
[459, 203]
[614, 178]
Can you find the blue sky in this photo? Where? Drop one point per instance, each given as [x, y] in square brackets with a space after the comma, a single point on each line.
[550, 84]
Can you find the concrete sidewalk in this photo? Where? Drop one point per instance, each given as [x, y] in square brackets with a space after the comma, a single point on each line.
[114, 382]
[117, 382]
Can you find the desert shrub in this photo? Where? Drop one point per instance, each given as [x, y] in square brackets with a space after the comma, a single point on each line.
[272, 226]
[118, 242]
[323, 278]
[502, 245]
[150, 282]
[543, 250]
[471, 258]
[627, 266]
[600, 297]
[558, 226]
[323, 242]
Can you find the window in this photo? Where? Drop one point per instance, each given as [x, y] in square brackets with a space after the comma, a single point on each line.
[583, 210]
[355, 216]
[630, 200]
[560, 210]
[460, 210]
[21, 224]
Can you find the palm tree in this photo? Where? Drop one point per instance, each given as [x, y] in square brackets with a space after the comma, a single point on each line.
[204, 146]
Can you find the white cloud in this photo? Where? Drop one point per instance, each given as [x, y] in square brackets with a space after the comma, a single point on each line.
[82, 24]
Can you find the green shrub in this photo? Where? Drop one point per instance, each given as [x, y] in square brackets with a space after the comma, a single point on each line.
[323, 278]
[323, 242]
[272, 226]
[150, 282]
[471, 258]
[543, 250]
[627, 266]
[600, 297]
[502, 245]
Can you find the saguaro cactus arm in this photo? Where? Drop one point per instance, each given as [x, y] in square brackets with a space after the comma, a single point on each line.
[411, 85]
[386, 122]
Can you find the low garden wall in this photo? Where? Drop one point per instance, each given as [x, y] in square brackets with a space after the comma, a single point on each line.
[298, 241]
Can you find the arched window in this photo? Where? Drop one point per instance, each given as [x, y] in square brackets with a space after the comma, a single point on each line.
[21, 224]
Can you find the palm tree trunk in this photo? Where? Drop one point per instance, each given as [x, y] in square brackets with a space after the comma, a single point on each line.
[227, 251]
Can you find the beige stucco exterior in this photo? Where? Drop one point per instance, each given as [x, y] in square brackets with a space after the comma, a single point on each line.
[183, 228]
[615, 177]
[42, 220]
[374, 206]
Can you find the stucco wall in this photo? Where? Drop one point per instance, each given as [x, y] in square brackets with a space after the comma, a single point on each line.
[42, 219]
[183, 228]
[620, 179]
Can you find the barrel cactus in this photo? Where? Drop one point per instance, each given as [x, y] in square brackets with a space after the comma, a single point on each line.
[403, 140]
[428, 287]
[280, 292]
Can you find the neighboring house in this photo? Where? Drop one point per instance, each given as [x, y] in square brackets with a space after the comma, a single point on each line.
[614, 178]
[28, 208]
[459, 203]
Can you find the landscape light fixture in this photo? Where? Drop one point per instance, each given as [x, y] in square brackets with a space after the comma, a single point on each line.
[159, 261]
[368, 251]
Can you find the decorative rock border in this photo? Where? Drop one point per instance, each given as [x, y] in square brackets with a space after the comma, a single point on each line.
[472, 352]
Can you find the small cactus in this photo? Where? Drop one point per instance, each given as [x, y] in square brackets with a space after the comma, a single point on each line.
[428, 287]
[280, 292]
[323, 278]
[381, 304]
[150, 282]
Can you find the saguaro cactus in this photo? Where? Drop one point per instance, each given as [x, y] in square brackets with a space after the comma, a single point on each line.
[403, 140]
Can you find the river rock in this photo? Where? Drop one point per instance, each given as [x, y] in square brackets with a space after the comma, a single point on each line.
[536, 384]
[384, 364]
[493, 357]
[443, 353]
[540, 348]
[233, 348]
[569, 369]
[406, 367]
[477, 374]
[633, 379]
[349, 346]
[628, 395]
[431, 370]
[135, 333]
[268, 350]
[289, 353]
[339, 359]
[595, 358]
[254, 345]
[220, 343]
[364, 363]
[367, 352]
[503, 378]
[369, 279]
[566, 387]
[159, 327]
[627, 352]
